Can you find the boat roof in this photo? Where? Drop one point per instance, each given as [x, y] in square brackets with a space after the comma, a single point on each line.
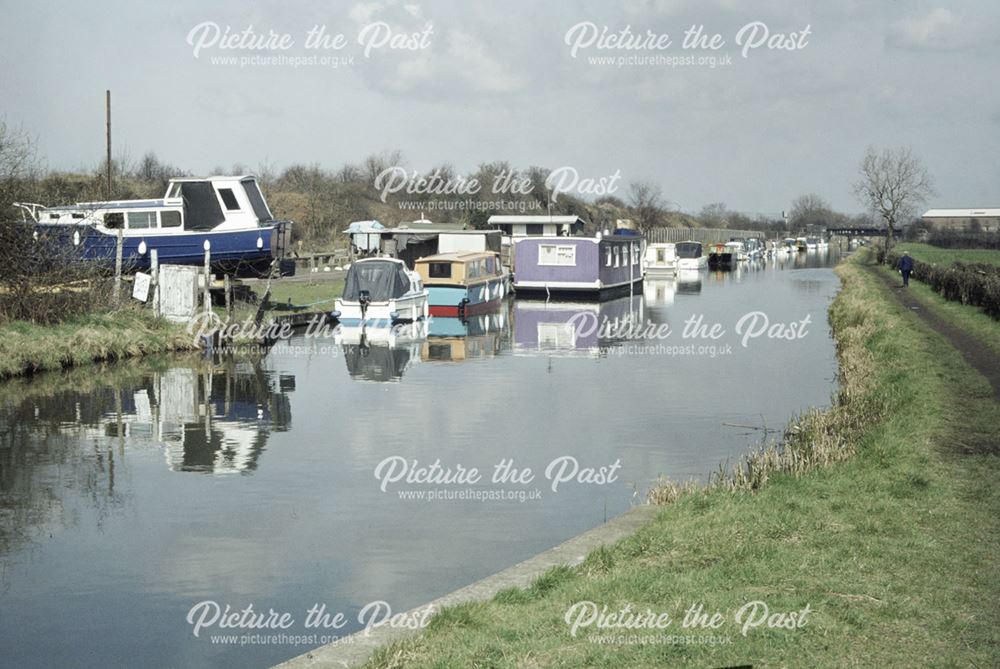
[378, 259]
[430, 231]
[457, 256]
[216, 177]
[119, 204]
[501, 219]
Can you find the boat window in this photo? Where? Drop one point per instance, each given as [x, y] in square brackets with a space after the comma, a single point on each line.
[534, 229]
[141, 220]
[439, 270]
[201, 207]
[170, 219]
[617, 257]
[491, 265]
[555, 254]
[256, 200]
[229, 199]
[174, 190]
[607, 254]
[661, 255]
[472, 270]
[114, 220]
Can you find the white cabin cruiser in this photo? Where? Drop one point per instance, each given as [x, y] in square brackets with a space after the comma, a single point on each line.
[380, 292]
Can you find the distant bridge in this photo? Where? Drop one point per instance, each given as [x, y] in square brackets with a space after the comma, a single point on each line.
[699, 234]
[857, 232]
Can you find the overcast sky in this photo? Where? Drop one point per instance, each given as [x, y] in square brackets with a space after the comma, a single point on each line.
[499, 81]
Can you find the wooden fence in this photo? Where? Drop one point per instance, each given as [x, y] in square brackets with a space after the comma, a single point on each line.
[704, 235]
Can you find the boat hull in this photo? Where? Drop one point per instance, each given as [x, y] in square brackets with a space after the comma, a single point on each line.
[405, 309]
[661, 272]
[247, 252]
[692, 263]
[454, 301]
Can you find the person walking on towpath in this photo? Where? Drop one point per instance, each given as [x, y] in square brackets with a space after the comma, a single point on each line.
[905, 267]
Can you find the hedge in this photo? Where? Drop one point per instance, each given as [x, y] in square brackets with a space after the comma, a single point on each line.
[974, 284]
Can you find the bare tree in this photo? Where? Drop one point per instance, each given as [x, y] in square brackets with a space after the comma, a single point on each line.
[714, 215]
[18, 167]
[893, 183]
[376, 163]
[810, 209]
[648, 205]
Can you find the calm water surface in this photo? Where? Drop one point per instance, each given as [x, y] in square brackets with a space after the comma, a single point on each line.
[131, 493]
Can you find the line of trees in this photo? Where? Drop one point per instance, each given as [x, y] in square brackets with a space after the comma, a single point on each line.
[891, 184]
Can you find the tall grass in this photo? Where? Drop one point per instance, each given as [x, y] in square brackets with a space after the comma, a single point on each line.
[28, 348]
[817, 438]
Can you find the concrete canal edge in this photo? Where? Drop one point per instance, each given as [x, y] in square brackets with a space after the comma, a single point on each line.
[355, 649]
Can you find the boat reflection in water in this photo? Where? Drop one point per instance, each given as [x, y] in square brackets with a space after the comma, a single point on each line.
[689, 281]
[381, 354]
[209, 418]
[573, 328]
[659, 296]
[457, 339]
[217, 420]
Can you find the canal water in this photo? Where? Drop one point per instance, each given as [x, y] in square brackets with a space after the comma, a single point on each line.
[135, 498]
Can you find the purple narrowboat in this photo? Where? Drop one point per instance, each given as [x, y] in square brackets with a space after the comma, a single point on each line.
[600, 266]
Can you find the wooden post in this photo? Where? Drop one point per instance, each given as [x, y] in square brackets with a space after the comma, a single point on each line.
[107, 106]
[154, 268]
[118, 264]
[208, 275]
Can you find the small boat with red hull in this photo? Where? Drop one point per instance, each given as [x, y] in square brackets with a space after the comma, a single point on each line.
[463, 283]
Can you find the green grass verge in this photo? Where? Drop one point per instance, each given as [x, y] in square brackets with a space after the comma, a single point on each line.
[308, 292]
[933, 254]
[893, 549]
[26, 348]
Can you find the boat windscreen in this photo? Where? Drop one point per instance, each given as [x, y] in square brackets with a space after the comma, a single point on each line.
[257, 200]
[201, 206]
[688, 250]
[383, 279]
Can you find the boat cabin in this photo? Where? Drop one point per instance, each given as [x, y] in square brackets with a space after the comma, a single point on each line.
[459, 269]
[192, 204]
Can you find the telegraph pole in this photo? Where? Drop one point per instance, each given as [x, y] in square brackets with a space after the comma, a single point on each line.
[107, 110]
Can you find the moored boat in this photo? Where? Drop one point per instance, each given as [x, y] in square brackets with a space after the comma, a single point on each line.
[380, 292]
[660, 260]
[724, 256]
[460, 284]
[604, 265]
[690, 256]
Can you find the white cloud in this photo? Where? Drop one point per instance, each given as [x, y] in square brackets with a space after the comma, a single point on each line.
[480, 69]
[364, 11]
[938, 30]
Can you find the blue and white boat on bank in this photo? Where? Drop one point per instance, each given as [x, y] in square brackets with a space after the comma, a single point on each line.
[226, 215]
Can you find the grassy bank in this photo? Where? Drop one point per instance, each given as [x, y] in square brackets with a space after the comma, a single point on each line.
[892, 545]
[933, 254]
[306, 292]
[26, 348]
